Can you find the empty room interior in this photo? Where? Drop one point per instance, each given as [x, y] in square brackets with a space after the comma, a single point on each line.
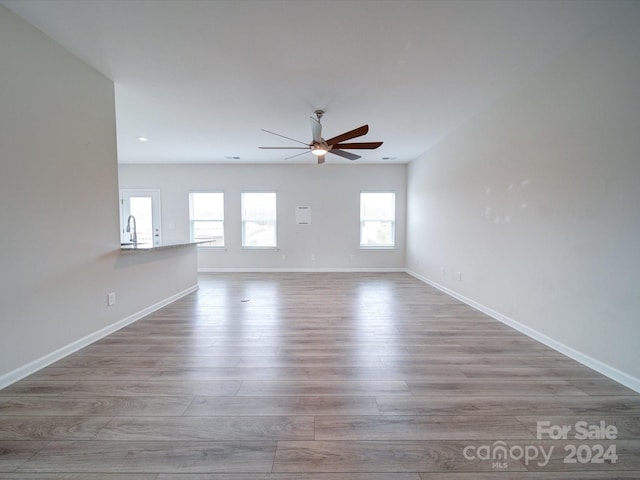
[321, 240]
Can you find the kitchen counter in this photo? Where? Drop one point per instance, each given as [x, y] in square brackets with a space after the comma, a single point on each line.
[148, 247]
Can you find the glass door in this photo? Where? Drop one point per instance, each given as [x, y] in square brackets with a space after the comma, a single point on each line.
[140, 217]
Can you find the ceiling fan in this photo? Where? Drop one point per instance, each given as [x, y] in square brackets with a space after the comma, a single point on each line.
[320, 147]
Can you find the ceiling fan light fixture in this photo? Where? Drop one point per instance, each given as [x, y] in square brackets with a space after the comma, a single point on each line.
[318, 151]
[319, 148]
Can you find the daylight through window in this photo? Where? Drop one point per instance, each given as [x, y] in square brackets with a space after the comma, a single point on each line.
[206, 217]
[377, 219]
[259, 226]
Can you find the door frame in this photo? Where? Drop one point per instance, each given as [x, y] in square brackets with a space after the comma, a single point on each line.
[156, 213]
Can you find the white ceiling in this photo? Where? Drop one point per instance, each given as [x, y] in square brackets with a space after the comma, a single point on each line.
[201, 79]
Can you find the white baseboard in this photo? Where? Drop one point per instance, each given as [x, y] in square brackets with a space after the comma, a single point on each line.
[611, 372]
[301, 270]
[32, 367]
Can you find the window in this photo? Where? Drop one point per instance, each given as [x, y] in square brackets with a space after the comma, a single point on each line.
[377, 219]
[206, 217]
[259, 220]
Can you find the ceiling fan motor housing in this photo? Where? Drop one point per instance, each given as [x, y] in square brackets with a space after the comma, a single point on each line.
[320, 148]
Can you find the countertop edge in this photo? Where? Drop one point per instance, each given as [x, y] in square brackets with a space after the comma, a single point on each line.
[152, 248]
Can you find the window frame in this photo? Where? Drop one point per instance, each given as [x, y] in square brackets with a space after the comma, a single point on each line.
[243, 221]
[390, 246]
[192, 220]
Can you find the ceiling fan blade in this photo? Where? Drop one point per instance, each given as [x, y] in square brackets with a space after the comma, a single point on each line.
[294, 156]
[288, 138]
[316, 129]
[356, 132]
[284, 148]
[320, 159]
[342, 153]
[358, 145]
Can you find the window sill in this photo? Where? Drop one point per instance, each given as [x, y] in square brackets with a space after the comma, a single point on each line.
[377, 247]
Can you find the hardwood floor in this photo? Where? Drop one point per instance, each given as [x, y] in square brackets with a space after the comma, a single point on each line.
[321, 376]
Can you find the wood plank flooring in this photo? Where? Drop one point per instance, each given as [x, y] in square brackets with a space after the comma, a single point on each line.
[314, 376]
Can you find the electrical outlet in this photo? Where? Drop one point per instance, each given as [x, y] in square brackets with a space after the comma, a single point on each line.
[111, 298]
[444, 271]
[284, 257]
[459, 276]
[313, 257]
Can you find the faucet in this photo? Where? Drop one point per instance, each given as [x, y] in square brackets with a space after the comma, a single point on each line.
[134, 235]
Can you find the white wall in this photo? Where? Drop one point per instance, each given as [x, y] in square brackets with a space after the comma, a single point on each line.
[332, 192]
[536, 203]
[59, 242]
